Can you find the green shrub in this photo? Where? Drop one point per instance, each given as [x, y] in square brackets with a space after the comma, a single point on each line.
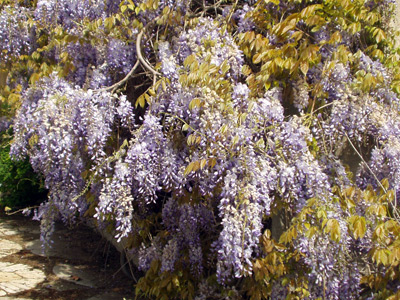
[19, 185]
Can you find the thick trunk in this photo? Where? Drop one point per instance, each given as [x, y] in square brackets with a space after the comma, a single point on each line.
[278, 225]
[3, 77]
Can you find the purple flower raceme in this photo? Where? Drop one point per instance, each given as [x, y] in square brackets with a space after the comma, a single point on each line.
[63, 130]
[120, 55]
[97, 67]
[68, 12]
[244, 23]
[244, 198]
[15, 36]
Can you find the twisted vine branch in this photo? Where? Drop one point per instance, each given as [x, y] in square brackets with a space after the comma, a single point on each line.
[140, 60]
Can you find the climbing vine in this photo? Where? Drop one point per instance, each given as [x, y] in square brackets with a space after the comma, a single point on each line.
[238, 149]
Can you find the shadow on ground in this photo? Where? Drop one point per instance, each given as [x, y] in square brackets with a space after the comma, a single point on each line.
[81, 265]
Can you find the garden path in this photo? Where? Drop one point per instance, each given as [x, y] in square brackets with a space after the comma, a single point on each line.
[81, 265]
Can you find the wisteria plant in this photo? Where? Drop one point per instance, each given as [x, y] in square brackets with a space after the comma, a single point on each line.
[238, 149]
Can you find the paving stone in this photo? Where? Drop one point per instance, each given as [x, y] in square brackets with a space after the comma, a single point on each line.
[60, 248]
[71, 246]
[62, 285]
[15, 278]
[7, 229]
[32, 229]
[35, 247]
[77, 275]
[13, 227]
[8, 247]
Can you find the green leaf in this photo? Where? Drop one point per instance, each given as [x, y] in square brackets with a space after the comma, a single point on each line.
[332, 227]
[276, 2]
[188, 169]
[140, 101]
[34, 77]
[360, 227]
[147, 97]
[304, 67]
[203, 163]
[189, 60]
[385, 183]
[194, 103]
[381, 256]
[379, 35]
[310, 10]
[185, 127]
[225, 67]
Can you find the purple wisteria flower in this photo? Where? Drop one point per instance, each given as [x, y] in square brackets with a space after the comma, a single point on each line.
[15, 36]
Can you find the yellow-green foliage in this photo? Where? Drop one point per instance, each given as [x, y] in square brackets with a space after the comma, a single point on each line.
[370, 216]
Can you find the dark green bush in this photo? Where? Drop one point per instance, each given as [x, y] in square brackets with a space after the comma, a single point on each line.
[19, 185]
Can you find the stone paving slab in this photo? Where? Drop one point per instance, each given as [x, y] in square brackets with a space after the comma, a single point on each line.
[10, 228]
[29, 229]
[76, 275]
[8, 247]
[7, 230]
[74, 268]
[62, 285]
[60, 248]
[15, 278]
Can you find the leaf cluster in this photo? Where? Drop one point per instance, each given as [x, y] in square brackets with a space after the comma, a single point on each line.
[20, 185]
